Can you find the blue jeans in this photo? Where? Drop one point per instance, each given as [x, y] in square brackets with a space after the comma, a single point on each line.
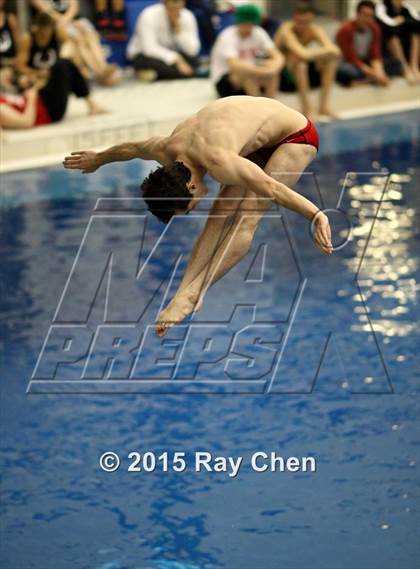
[348, 72]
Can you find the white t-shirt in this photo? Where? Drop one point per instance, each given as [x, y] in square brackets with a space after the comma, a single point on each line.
[153, 36]
[230, 45]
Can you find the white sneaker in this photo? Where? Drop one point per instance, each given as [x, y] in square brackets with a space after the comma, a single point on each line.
[147, 75]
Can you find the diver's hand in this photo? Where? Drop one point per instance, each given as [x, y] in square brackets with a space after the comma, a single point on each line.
[322, 233]
[86, 160]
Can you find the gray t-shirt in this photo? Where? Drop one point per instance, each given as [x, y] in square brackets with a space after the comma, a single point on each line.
[363, 41]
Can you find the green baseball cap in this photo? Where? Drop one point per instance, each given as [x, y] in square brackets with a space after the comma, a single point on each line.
[247, 14]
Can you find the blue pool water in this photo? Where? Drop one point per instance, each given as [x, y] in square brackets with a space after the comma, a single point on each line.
[342, 389]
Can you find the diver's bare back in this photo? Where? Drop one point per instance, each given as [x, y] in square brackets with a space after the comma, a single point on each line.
[238, 124]
[217, 140]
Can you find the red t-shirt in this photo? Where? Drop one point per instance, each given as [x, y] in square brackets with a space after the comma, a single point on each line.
[18, 102]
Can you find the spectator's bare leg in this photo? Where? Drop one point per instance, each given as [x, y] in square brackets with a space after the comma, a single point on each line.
[246, 82]
[102, 15]
[93, 107]
[397, 52]
[118, 14]
[117, 5]
[93, 52]
[415, 55]
[301, 75]
[327, 68]
[93, 57]
[254, 84]
[108, 74]
[271, 85]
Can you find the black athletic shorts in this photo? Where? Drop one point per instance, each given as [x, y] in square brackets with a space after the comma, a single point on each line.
[287, 81]
[225, 88]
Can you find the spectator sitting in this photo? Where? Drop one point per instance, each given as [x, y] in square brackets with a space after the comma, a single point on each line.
[165, 44]
[400, 23]
[360, 42]
[268, 23]
[244, 59]
[40, 47]
[307, 66]
[84, 45]
[42, 100]
[9, 35]
[61, 11]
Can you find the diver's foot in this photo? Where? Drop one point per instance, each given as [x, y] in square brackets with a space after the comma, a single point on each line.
[179, 308]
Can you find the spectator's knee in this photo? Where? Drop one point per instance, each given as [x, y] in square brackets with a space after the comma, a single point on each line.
[300, 66]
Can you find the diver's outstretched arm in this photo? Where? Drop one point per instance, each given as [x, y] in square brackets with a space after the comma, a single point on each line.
[89, 161]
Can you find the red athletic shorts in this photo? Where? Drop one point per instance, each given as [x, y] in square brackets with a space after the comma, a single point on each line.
[307, 135]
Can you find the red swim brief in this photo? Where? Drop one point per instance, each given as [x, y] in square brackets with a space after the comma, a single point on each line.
[307, 135]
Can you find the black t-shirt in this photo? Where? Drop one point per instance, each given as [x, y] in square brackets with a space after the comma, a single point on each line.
[393, 13]
[7, 42]
[44, 57]
[59, 5]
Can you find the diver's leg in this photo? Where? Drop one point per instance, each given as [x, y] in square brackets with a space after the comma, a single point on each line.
[215, 231]
[285, 165]
[230, 241]
[218, 226]
[224, 240]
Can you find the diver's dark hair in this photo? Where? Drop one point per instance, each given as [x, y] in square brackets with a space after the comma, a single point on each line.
[165, 190]
[365, 4]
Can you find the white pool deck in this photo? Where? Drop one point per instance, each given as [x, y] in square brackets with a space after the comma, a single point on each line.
[139, 110]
